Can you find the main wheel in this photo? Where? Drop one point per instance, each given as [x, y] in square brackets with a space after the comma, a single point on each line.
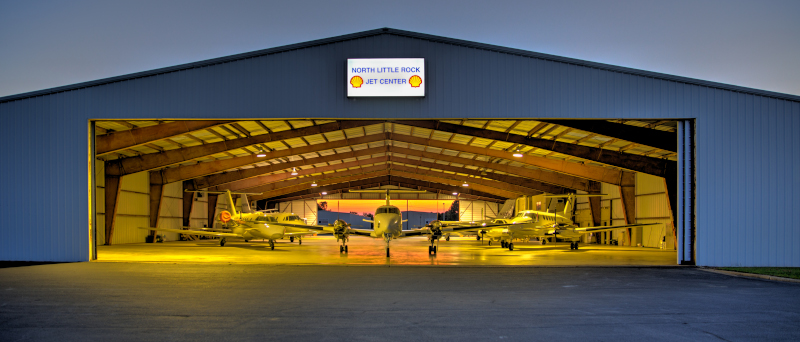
[571, 245]
[345, 249]
[511, 246]
[341, 249]
[387, 252]
[478, 238]
[246, 240]
[544, 241]
[576, 245]
[222, 242]
[447, 238]
[503, 244]
[490, 242]
[300, 241]
[271, 245]
[430, 250]
[434, 250]
[291, 239]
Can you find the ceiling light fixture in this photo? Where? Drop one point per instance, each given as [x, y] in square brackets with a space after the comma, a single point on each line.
[517, 153]
[465, 184]
[261, 154]
[324, 193]
[313, 183]
[294, 171]
[455, 194]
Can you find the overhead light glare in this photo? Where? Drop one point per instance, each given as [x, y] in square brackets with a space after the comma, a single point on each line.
[455, 194]
[517, 153]
[465, 184]
[314, 183]
[324, 193]
[294, 171]
[261, 154]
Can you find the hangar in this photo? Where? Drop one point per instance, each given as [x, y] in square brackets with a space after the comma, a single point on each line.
[88, 164]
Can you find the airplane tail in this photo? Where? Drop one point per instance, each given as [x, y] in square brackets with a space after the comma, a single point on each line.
[390, 191]
[571, 200]
[245, 205]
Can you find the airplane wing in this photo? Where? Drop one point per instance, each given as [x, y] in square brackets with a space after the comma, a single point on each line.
[363, 232]
[192, 232]
[607, 228]
[303, 226]
[299, 234]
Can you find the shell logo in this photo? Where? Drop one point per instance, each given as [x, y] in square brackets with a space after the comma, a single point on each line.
[356, 81]
[415, 81]
[225, 216]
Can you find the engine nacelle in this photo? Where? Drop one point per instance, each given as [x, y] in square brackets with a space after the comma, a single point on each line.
[341, 229]
[435, 229]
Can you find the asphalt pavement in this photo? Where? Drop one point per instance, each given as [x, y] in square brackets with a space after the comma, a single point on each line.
[218, 302]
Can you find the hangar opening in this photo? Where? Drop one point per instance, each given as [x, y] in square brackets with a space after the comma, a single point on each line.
[570, 177]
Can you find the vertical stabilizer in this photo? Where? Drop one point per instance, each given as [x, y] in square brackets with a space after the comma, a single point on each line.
[231, 203]
[243, 205]
[568, 206]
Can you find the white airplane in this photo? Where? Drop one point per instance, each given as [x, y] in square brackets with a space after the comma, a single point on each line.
[248, 225]
[543, 224]
[388, 225]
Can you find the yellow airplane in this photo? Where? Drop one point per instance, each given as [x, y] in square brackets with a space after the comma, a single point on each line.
[544, 224]
[248, 225]
[388, 225]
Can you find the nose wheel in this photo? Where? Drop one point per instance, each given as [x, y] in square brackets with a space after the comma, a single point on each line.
[387, 238]
[342, 247]
[222, 242]
[272, 245]
[433, 247]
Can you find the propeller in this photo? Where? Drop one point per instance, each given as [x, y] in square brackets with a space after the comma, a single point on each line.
[435, 229]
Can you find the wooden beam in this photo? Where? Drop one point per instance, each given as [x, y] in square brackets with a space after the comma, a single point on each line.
[332, 188]
[536, 128]
[559, 179]
[188, 203]
[139, 136]
[272, 178]
[203, 169]
[158, 160]
[112, 188]
[212, 209]
[591, 172]
[512, 180]
[156, 196]
[303, 184]
[237, 175]
[627, 190]
[594, 205]
[490, 187]
[638, 163]
[640, 135]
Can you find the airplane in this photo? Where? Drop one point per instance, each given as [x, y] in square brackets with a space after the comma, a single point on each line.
[542, 224]
[248, 225]
[388, 225]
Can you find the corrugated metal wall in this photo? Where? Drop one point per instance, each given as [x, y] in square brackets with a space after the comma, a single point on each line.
[746, 144]
[477, 210]
[306, 209]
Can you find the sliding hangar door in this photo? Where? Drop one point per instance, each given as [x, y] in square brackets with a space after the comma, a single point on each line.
[710, 162]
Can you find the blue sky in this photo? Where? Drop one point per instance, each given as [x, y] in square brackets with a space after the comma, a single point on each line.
[756, 44]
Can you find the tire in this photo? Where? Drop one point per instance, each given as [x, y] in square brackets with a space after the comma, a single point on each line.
[246, 240]
[271, 246]
[576, 246]
[291, 239]
[447, 238]
[478, 238]
[222, 242]
[300, 241]
[434, 250]
[345, 249]
[387, 252]
[511, 246]
[490, 242]
[544, 242]
[341, 249]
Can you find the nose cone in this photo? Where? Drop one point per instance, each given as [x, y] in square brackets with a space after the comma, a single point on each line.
[388, 222]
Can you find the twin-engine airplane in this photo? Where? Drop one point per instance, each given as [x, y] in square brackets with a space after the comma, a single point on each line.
[543, 224]
[388, 225]
[248, 225]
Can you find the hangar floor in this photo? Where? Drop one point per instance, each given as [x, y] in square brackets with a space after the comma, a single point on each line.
[324, 250]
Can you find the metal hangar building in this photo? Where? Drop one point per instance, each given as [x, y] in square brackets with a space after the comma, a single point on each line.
[85, 164]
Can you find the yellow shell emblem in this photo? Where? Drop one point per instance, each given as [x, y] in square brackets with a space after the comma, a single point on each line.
[415, 81]
[356, 81]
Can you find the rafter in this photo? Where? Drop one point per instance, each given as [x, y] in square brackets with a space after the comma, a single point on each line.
[641, 135]
[638, 163]
[139, 136]
[158, 160]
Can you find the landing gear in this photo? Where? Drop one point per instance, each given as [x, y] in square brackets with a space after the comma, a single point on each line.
[573, 245]
[299, 241]
[503, 244]
[431, 250]
[222, 242]
[544, 241]
[434, 245]
[490, 242]
[387, 238]
[246, 240]
[272, 245]
[291, 239]
[478, 238]
[343, 247]
[510, 246]
[447, 238]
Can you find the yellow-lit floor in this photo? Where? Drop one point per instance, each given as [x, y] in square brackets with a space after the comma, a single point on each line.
[324, 250]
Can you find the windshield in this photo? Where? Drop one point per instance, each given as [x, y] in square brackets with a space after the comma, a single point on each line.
[388, 210]
[292, 218]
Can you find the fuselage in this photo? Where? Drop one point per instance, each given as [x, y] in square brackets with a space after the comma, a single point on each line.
[257, 226]
[387, 222]
[529, 223]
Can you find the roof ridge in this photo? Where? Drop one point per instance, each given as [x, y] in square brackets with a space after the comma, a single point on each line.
[410, 34]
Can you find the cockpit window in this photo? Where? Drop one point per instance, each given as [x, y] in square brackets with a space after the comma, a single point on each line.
[292, 218]
[388, 210]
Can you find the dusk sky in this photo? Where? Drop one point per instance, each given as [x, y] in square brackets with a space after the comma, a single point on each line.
[755, 44]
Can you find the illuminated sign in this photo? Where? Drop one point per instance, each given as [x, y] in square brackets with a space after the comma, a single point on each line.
[381, 77]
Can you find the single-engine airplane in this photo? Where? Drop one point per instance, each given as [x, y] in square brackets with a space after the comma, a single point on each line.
[248, 225]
